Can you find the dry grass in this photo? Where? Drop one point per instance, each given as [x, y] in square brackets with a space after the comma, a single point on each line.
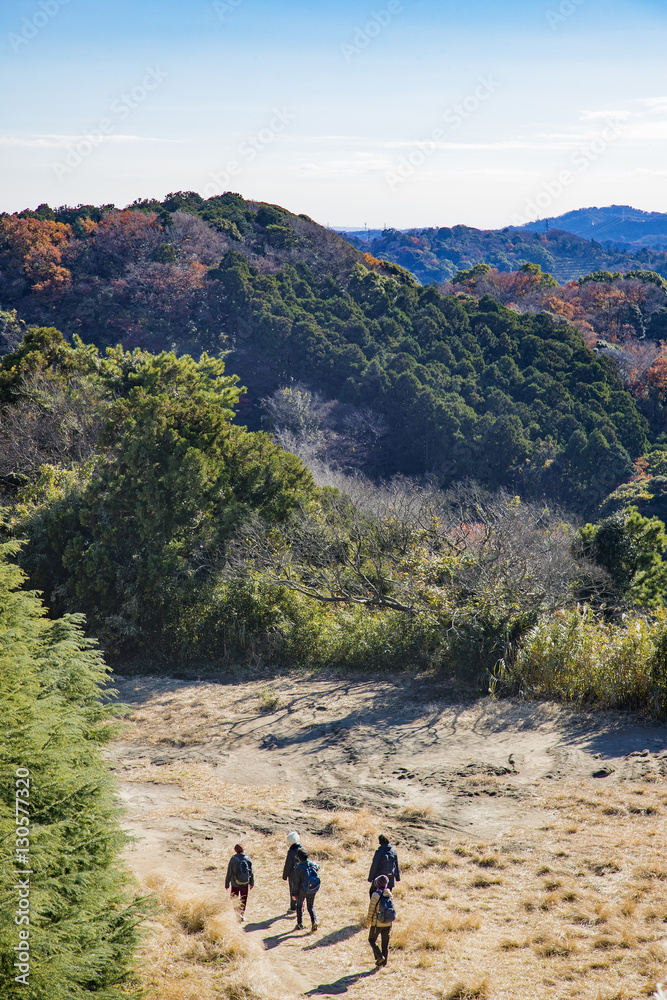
[598, 934]
[355, 829]
[576, 909]
[462, 991]
[197, 950]
[411, 813]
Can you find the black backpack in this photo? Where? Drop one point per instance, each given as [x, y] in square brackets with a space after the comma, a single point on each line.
[388, 864]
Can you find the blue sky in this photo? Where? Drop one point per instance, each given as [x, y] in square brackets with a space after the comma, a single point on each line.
[399, 113]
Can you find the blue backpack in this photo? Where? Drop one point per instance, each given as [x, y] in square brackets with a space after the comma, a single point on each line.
[311, 880]
[386, 914]
[242, 869]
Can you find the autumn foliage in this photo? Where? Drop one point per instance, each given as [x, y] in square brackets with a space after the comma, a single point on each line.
[34, 247]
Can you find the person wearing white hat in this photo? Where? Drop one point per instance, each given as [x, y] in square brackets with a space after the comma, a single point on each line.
[294, 841]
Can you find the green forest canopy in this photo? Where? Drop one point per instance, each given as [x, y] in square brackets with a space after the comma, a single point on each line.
[467, 388]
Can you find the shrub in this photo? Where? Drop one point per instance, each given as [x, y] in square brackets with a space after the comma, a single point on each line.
[575, 656]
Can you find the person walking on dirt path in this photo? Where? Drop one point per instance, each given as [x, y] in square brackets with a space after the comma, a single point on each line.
[307, 884]
[294, 842]
[385, 862]
[381, 914]
[240, 877]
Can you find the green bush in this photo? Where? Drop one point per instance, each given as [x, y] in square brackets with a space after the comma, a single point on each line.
[252, 621]
[574, 656]
[357, 638]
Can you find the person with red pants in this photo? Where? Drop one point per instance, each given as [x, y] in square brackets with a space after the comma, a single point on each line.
[240, 877]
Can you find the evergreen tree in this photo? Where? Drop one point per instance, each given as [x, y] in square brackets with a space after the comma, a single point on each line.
[630, 548]
[143, 538]
[53, 721]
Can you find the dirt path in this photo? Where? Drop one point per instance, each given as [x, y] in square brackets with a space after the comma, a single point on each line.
[204, 764]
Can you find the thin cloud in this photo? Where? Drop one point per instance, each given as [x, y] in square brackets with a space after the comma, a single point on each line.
[652, 104]
[617, 115]
[66, 141]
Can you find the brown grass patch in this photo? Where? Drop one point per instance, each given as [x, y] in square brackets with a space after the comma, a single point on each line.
[416, 813]
[355, 829]
[463, 991]
[482, 882]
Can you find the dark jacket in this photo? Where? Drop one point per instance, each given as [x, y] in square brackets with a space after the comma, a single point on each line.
[232, 869]
[300, 874]
[290, 865]
[385, 862]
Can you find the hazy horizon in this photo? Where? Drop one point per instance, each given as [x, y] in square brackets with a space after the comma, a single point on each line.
[405, 114]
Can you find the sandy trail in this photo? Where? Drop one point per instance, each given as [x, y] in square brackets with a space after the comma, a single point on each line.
[397, 748]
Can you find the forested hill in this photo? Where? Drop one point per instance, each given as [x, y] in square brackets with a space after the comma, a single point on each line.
[450, 386]
[435, 255]
[135, 275]
[612, 224]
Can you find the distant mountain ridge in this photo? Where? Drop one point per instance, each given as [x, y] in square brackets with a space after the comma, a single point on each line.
[612, 224]
[435, 255]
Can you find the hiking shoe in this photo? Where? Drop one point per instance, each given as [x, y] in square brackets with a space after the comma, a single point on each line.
[299, 927]
[379, 962]
[315, 925]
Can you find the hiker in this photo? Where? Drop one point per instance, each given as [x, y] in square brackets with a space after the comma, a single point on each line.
[307, 884]
[294, 841]
[385, 862]
[240, 877]
[381, 914]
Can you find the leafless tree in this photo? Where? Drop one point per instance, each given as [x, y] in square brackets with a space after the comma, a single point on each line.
[323, 432]
[512, 551]
[52, 422]
[398, 544]
[195, 239]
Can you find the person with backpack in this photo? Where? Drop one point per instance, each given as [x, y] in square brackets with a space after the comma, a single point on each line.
[381, 915]
[385, 862]
[294, 841]
[307, 884]
[240, 877]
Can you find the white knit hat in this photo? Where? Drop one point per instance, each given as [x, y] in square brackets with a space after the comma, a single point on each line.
[293, 838]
